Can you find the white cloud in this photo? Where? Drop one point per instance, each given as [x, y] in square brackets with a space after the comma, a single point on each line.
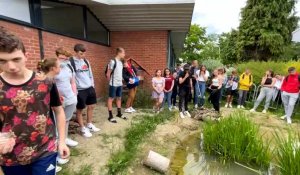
[220, 15]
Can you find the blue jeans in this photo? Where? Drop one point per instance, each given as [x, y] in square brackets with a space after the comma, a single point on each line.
[42, 166]
[167, 97]
[201, 92]
[196, 93]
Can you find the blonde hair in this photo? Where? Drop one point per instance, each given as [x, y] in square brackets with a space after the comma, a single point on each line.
[45, 65]
[61, 51]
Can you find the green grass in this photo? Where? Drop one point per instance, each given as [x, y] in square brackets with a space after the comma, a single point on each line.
[237, 138]
[84, 170]
[288, 154]
[142, 100]
[134, 136]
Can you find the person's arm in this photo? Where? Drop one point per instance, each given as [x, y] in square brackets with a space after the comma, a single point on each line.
[164, 84]
[205, 76]
[191, 85]
[73, 85]
[172, 86]
[110, 68]
[263, 80]
[153, 86]
[251, 83]
[181, 80]
[91, 75]
[220, 83]
[126, 75]
[58, 110]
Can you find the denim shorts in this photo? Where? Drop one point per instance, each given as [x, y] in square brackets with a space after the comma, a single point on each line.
[115, 91]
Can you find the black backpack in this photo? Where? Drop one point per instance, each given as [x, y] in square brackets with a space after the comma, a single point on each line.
[112, 71]
[74, 66]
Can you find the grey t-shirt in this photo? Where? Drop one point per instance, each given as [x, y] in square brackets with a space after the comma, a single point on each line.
[63, 83]
[117, 77]
[84, 76]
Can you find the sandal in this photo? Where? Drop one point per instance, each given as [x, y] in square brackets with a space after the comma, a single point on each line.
[112, 120]
[122, 117]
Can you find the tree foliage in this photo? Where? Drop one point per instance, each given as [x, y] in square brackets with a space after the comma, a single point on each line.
[266, 29]
[194, 43]
[228, 47]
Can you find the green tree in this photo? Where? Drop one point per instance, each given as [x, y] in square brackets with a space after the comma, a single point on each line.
[266, 28]
[291, 52]
[228, 47]
[194, 43]
[211, 49]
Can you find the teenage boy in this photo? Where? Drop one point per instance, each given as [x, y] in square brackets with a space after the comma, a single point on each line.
[86, 96]
[115, 77]
[246, 81]
[290, 93]
[27, 103]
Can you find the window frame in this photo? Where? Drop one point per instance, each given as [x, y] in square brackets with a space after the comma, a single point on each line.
[36, 21]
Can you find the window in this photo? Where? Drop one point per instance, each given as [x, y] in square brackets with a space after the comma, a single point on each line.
[95, 30]
[16, 9]
[63, 18]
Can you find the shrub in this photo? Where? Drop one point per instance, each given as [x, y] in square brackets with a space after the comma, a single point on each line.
[258, 69]
[212, 64]
[288, 154]
[236, 138]
[142, 99]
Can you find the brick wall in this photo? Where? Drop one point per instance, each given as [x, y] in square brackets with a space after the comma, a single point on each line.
[148, 47]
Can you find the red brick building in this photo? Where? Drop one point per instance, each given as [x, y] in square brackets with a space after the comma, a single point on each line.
[151, 31]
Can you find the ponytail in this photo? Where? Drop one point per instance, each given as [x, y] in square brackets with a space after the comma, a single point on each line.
[45, 65]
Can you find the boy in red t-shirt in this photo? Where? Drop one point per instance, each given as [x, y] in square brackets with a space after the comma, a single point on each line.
[290, 93]
[27, 101]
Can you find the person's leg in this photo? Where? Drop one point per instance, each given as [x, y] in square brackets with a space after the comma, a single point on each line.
[130, 98]
[285, 101]
[81, 99]
[196, 94]
[90, 102]
[169, 95]
[69, 110]
[174, 96]
[181, 100]
[293, 97]
[217, 105]
[44, 166]
[133, 96]
[164, 100]
[269, 96]
[241, 93]
[245, 93]
[186, 99]
[202, 89]
[261, 96]
[16, 170]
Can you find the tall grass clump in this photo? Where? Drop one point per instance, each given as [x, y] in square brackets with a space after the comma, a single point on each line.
[287, 154]
[134, 136]
[236, 138]
[142, 99]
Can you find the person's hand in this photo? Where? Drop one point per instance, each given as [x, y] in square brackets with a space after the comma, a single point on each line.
[63, 150]
[7, 146]
[186, 75]
[61, 99]
[131, 81]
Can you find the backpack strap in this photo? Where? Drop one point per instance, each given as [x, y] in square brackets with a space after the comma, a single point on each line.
[70, 67]
[86, 62]
[73, 63]
[112, 71]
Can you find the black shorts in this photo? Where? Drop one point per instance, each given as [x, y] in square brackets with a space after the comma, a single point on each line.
[229, 91]
[86, 97]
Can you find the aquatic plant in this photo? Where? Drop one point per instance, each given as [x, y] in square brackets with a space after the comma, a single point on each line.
[236, 138]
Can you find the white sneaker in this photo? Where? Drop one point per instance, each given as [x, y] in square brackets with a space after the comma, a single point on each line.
[196, 106]
[133, 110]
[283, 117]
[264, 111]
[58, 169]
[239, 106]
[187, 114]
[230, 105]
[175, 107]
[289, 121]
[253, 110]
[170, 109]
[86, 132]
[181, 115]
[71, 143]
[128, 110]
[226, 105]
[243, 107]
[92, 127]
[62, 161]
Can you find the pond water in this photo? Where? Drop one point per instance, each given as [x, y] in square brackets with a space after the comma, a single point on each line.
[189, 159]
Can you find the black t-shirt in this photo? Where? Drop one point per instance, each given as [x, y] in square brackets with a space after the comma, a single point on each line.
[186, 83]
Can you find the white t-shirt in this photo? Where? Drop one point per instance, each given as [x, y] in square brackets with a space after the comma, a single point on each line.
[278, 84]
[201, 77]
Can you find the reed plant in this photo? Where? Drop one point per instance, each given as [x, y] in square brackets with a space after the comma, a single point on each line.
[287, 154]
[237, 138]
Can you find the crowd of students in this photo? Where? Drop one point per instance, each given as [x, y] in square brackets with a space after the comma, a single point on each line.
[36, 107]
[190, 82]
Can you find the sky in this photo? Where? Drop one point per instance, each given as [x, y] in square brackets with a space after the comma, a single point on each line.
[220, 16]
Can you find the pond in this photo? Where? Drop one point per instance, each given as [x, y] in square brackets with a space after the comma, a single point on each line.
[189, 159]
